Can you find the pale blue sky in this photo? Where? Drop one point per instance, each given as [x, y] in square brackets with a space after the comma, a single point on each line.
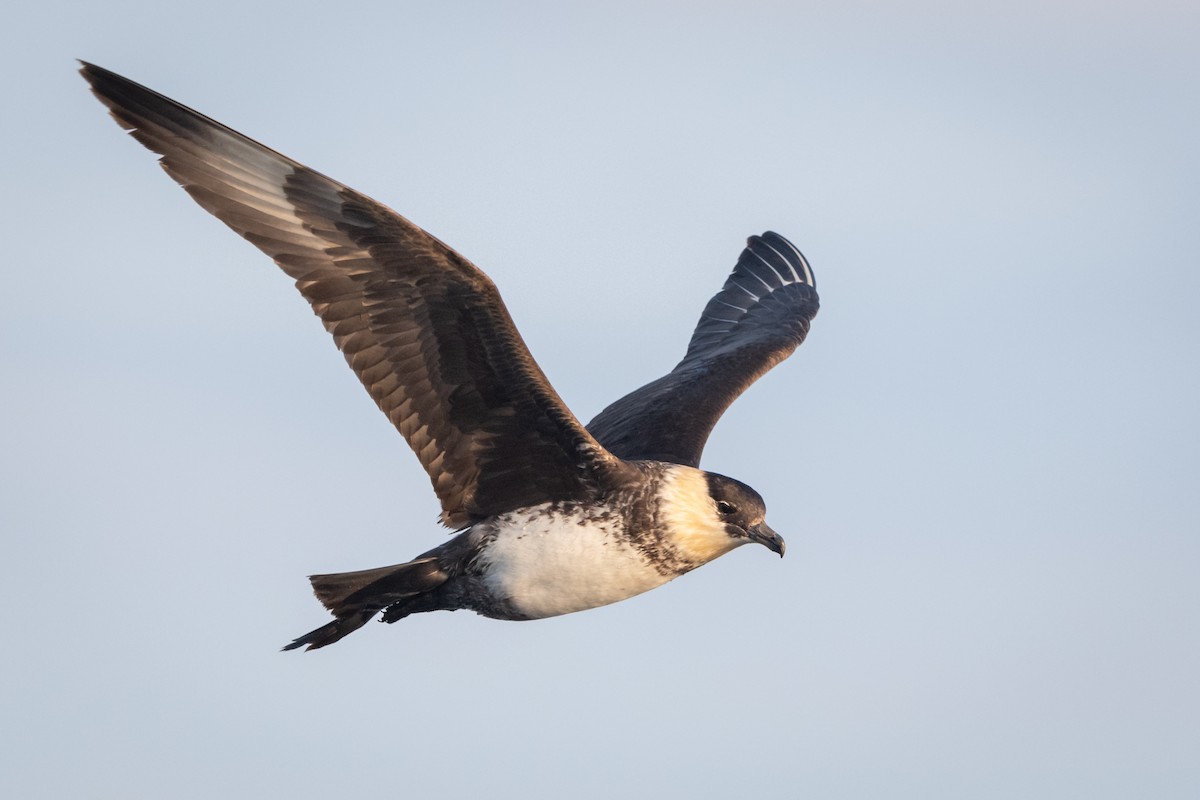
[986, 458]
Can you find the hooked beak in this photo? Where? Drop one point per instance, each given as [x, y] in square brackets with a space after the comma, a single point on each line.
[768, 538]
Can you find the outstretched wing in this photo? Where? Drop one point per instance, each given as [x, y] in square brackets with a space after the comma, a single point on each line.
[424, 329]
[760, 316]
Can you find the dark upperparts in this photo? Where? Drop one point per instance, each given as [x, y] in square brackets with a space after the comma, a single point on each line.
[429, 337]
[424, 329]
[758, 319]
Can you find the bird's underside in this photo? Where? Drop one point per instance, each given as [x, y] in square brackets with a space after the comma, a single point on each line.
[555, 516]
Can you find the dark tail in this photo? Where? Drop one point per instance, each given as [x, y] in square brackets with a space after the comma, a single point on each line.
[355, 597]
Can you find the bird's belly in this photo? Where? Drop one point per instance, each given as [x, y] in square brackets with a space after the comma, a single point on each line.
[543, 565]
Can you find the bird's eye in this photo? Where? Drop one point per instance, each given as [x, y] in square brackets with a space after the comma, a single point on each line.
[726, 508]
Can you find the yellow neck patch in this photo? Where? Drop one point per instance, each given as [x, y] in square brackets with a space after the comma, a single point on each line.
[690, 516]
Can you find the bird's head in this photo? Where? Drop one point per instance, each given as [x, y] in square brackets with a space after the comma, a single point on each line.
[707, 514]
[743, 513]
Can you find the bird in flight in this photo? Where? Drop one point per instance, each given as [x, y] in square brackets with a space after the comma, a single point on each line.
[551, 517]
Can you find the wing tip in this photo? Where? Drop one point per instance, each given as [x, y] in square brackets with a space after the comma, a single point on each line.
[95, 75]
[788, 252]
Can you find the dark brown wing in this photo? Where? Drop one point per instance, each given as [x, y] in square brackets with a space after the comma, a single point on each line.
[424, 329]
[759, 317]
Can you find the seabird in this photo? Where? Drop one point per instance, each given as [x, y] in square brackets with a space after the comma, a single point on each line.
[551, 517]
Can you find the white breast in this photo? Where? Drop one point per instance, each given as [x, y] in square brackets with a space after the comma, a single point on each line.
[546, 563]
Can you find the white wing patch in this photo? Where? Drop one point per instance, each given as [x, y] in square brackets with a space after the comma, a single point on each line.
[747, 291]
[808, 275]
[782, 279]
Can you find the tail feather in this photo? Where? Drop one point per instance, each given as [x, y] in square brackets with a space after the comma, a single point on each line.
[343, 592]
[356, 597]
[330, 633]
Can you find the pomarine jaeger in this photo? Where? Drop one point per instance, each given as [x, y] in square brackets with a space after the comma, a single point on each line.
[551, 517]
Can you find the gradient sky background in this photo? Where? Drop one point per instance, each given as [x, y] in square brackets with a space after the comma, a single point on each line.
[986, 458]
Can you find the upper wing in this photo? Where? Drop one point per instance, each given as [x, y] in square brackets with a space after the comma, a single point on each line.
[760, 316]
[425, 330]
